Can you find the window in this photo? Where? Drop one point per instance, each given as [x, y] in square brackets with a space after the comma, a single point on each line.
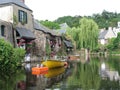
[2, 30]
[22, 17]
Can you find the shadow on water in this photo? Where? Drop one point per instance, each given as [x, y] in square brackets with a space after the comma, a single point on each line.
[97, 73]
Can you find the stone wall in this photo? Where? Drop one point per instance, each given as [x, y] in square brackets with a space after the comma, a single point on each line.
[8, 31]
[40, 42]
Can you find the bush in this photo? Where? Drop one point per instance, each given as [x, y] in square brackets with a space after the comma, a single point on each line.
[18, 55]
[9, 58]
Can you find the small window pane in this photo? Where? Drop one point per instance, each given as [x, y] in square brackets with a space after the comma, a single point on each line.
[22, 16]
[2, 30]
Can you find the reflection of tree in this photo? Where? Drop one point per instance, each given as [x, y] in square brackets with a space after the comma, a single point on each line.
[85, 76]
[114, 63]
[109, 85]
[10, 83]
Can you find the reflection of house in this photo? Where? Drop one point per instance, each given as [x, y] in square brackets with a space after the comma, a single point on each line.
[106, 73]
[16, 22]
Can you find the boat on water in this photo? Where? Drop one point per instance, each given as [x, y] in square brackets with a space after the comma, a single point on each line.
[54, 72]
[74, 57]
[39, 70]
[53, 63]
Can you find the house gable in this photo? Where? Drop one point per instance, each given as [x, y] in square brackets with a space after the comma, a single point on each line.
[16, 2]
[110, 34]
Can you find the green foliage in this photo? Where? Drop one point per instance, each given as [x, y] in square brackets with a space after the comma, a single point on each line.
[9, 58]
[110, 45]
[104, 20]
[50, 24]
[15, 20]
[114, 43]
[86, 76]
[86, 35]
[18, 55]
[71, 21]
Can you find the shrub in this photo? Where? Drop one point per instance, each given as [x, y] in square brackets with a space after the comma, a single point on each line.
[9, 58]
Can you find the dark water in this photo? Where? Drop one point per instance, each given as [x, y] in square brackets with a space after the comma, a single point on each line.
[98, 73]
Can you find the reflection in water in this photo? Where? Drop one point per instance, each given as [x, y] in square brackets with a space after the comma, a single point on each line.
[42, 81]
[34, 82]
[85, 76]
[54, 72]
[11, 82]
[105, 72]
[82, 76]
[54, 75]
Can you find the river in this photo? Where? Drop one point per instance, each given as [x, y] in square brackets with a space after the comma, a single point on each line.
[97, 73]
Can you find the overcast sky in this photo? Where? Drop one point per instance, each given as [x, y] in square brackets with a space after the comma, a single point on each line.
[52, 9]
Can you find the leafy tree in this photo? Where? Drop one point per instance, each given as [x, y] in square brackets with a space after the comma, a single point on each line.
[50, 24]
[71, 21]
[110, 45]
[86, 35]
[106, 19]
[116, 42]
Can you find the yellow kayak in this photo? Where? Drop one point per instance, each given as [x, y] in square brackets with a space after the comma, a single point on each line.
[53, 63]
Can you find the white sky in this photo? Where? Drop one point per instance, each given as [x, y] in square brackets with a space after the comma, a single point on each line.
[53, 9]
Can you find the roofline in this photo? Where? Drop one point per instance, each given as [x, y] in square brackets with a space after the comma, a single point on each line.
[2, 5]
[47, 32]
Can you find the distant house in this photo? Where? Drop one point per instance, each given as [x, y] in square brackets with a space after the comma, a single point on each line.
[104, 35]
[67, 43]
[63, 28]
[16, 23]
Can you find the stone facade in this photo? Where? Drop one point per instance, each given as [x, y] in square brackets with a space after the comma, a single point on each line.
[40, 42]
[8, 31]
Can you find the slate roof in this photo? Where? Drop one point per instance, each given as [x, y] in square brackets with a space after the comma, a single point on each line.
[64, 26]
[17, 2]
[102, 34]
[44, 29]
[24, 33]
[68, 44]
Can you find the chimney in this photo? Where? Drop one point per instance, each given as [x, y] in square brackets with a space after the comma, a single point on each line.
[23, 1]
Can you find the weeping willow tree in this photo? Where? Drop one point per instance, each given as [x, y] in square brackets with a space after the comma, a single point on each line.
[86, 35]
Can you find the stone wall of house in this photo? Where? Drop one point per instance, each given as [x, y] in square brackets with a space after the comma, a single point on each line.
[8, 31]
[6, 13]
[40, 43]
[29, 24]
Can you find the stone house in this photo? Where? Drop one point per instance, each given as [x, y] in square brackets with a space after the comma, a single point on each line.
[46, 36]
[6, 31]
[105, 35]
[18, 26]
[16, 23]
